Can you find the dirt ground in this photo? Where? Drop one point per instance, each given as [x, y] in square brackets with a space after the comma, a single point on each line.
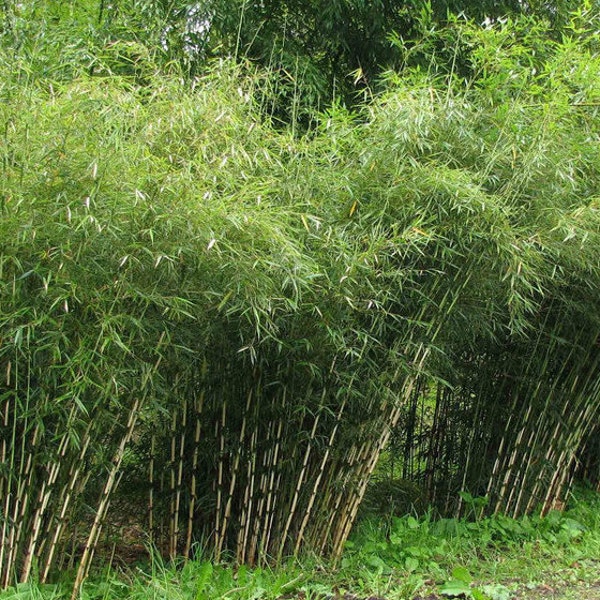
[571, 592]
[574, 591]
[578, 591]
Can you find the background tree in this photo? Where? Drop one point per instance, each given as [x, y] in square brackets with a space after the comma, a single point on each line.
[319, 52]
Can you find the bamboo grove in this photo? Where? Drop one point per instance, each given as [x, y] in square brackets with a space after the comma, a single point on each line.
[222, 322]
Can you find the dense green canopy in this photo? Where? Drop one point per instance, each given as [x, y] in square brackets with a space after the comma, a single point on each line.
[229, 314]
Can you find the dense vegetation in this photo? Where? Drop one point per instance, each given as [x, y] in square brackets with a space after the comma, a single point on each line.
[494, 558]
[228, 303]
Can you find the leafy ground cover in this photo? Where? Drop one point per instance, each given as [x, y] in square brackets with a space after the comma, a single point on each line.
[397, 558]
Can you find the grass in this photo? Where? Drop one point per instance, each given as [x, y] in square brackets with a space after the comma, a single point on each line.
[396, 558]
[496, 553]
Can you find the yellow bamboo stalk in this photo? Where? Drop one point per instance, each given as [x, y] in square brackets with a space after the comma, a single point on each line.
[151, 489]
[508, 470]
[271, 493]
[74, 473]
[193, 493]
[19, 510]
[311, 500]
[219, 535]
[334, 512]
[373, 459]
[179, 478]
[44, 497]
[298, 488]
[244, 533]
[234, 473]
[262, 509]
[251, 542]
[172, 542]
[4, 481]
[92, 539]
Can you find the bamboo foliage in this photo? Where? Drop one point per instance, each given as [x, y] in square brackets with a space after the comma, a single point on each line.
[240, 317]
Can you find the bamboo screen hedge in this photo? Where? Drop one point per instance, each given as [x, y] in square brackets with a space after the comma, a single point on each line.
[235, 317]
